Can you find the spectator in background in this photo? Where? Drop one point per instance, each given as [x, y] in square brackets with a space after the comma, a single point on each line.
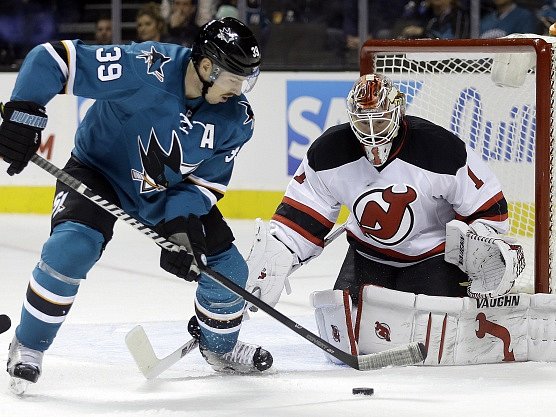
[182, 28]
[547, 14]
[341, 27]
[206, 9]
[103, 31]
[23, 25]
[442, 19]
[151, 26]
[227, 8]
[508, 18]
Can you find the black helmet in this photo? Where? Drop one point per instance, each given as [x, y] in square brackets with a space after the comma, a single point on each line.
[230, 44]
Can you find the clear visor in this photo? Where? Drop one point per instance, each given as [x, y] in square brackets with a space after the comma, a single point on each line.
[375, 128]
[234, 83]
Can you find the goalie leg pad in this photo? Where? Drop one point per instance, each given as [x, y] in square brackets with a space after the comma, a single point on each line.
[384, 319]
[436, 324]
[333, 314]
[493, 330]
[542, 328]
[455, 331]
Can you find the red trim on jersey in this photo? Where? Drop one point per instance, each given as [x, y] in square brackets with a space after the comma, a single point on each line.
[395, 256]
[298, 229]
[309, 211]
[485, 208]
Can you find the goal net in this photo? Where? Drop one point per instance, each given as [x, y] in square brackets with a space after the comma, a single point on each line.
[450, 83]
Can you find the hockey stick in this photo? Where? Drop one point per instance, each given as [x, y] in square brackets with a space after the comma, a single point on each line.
[141, 349]
[404, 355]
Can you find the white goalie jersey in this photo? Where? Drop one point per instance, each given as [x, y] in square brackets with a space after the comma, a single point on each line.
[399, 211]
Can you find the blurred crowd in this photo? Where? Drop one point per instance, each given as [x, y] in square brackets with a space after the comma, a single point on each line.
[292, 33]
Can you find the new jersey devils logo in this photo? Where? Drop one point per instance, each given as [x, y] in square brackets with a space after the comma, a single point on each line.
[382, 331]
[385, 215]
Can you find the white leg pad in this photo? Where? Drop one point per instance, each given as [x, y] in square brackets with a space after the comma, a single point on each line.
[542, 328]
[384, 319]
[436, 325]
[493, 330]
[334, 320]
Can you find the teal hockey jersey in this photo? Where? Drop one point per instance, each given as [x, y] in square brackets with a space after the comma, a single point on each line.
[165, 155]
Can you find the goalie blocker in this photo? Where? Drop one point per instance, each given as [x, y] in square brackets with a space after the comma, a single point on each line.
[455, 331]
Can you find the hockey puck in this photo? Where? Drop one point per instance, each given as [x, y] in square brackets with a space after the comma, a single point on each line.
[5, 323]
[362, 391]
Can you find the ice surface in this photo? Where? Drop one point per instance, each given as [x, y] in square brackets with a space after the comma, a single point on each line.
[89, 372]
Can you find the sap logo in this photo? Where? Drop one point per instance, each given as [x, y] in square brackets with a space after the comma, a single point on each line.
[314, 106]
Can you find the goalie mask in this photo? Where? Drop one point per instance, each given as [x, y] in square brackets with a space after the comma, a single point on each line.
[234, 52]
[375, 109]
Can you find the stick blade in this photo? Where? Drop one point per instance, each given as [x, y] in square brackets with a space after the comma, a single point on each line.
[142, 351]
[410, 354]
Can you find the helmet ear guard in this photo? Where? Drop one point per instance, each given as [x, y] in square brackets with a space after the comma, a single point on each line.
[375, 108]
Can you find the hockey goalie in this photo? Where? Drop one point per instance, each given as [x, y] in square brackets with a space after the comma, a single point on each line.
[428, 259]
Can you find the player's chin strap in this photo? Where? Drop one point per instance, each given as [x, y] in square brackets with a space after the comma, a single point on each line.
[206, 84]
[402, 355]
[492, 262]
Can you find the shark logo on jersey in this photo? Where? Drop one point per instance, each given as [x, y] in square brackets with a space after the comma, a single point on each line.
[161, 169]
[250, 116]
[385, 215]
[227, 35]
[155, 61]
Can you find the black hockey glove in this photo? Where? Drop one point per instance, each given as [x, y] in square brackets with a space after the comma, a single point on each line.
[20, 132]
[178, 231]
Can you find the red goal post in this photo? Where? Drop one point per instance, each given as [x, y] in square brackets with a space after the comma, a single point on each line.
[450, 83]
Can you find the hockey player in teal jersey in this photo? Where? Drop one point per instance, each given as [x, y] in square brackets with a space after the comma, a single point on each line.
[159, 141]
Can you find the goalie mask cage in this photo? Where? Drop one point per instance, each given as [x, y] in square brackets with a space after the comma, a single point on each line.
[449, 83]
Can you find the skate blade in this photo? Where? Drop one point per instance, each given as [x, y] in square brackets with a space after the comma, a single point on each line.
[18, 386]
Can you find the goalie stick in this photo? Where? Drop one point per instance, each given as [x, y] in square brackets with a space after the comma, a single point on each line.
[403, 355]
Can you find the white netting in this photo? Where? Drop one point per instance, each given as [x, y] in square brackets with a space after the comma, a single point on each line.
[455, 90]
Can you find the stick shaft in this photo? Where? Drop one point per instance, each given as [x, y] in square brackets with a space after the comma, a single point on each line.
[348, 359]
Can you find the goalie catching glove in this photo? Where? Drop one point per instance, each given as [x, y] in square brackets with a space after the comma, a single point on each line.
[491, 261]
[270, 262]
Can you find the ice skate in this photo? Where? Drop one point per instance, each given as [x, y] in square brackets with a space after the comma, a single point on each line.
[24, 366]
[244, 358]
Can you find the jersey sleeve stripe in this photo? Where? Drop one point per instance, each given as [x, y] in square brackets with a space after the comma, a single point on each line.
[314, 214]
[61, 60]
[72, 59]
[495, 209]
[300, 230]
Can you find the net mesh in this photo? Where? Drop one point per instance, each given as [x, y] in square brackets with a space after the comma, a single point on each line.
[455, 90]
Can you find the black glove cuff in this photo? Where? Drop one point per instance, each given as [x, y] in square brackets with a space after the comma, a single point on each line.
[25, 113]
